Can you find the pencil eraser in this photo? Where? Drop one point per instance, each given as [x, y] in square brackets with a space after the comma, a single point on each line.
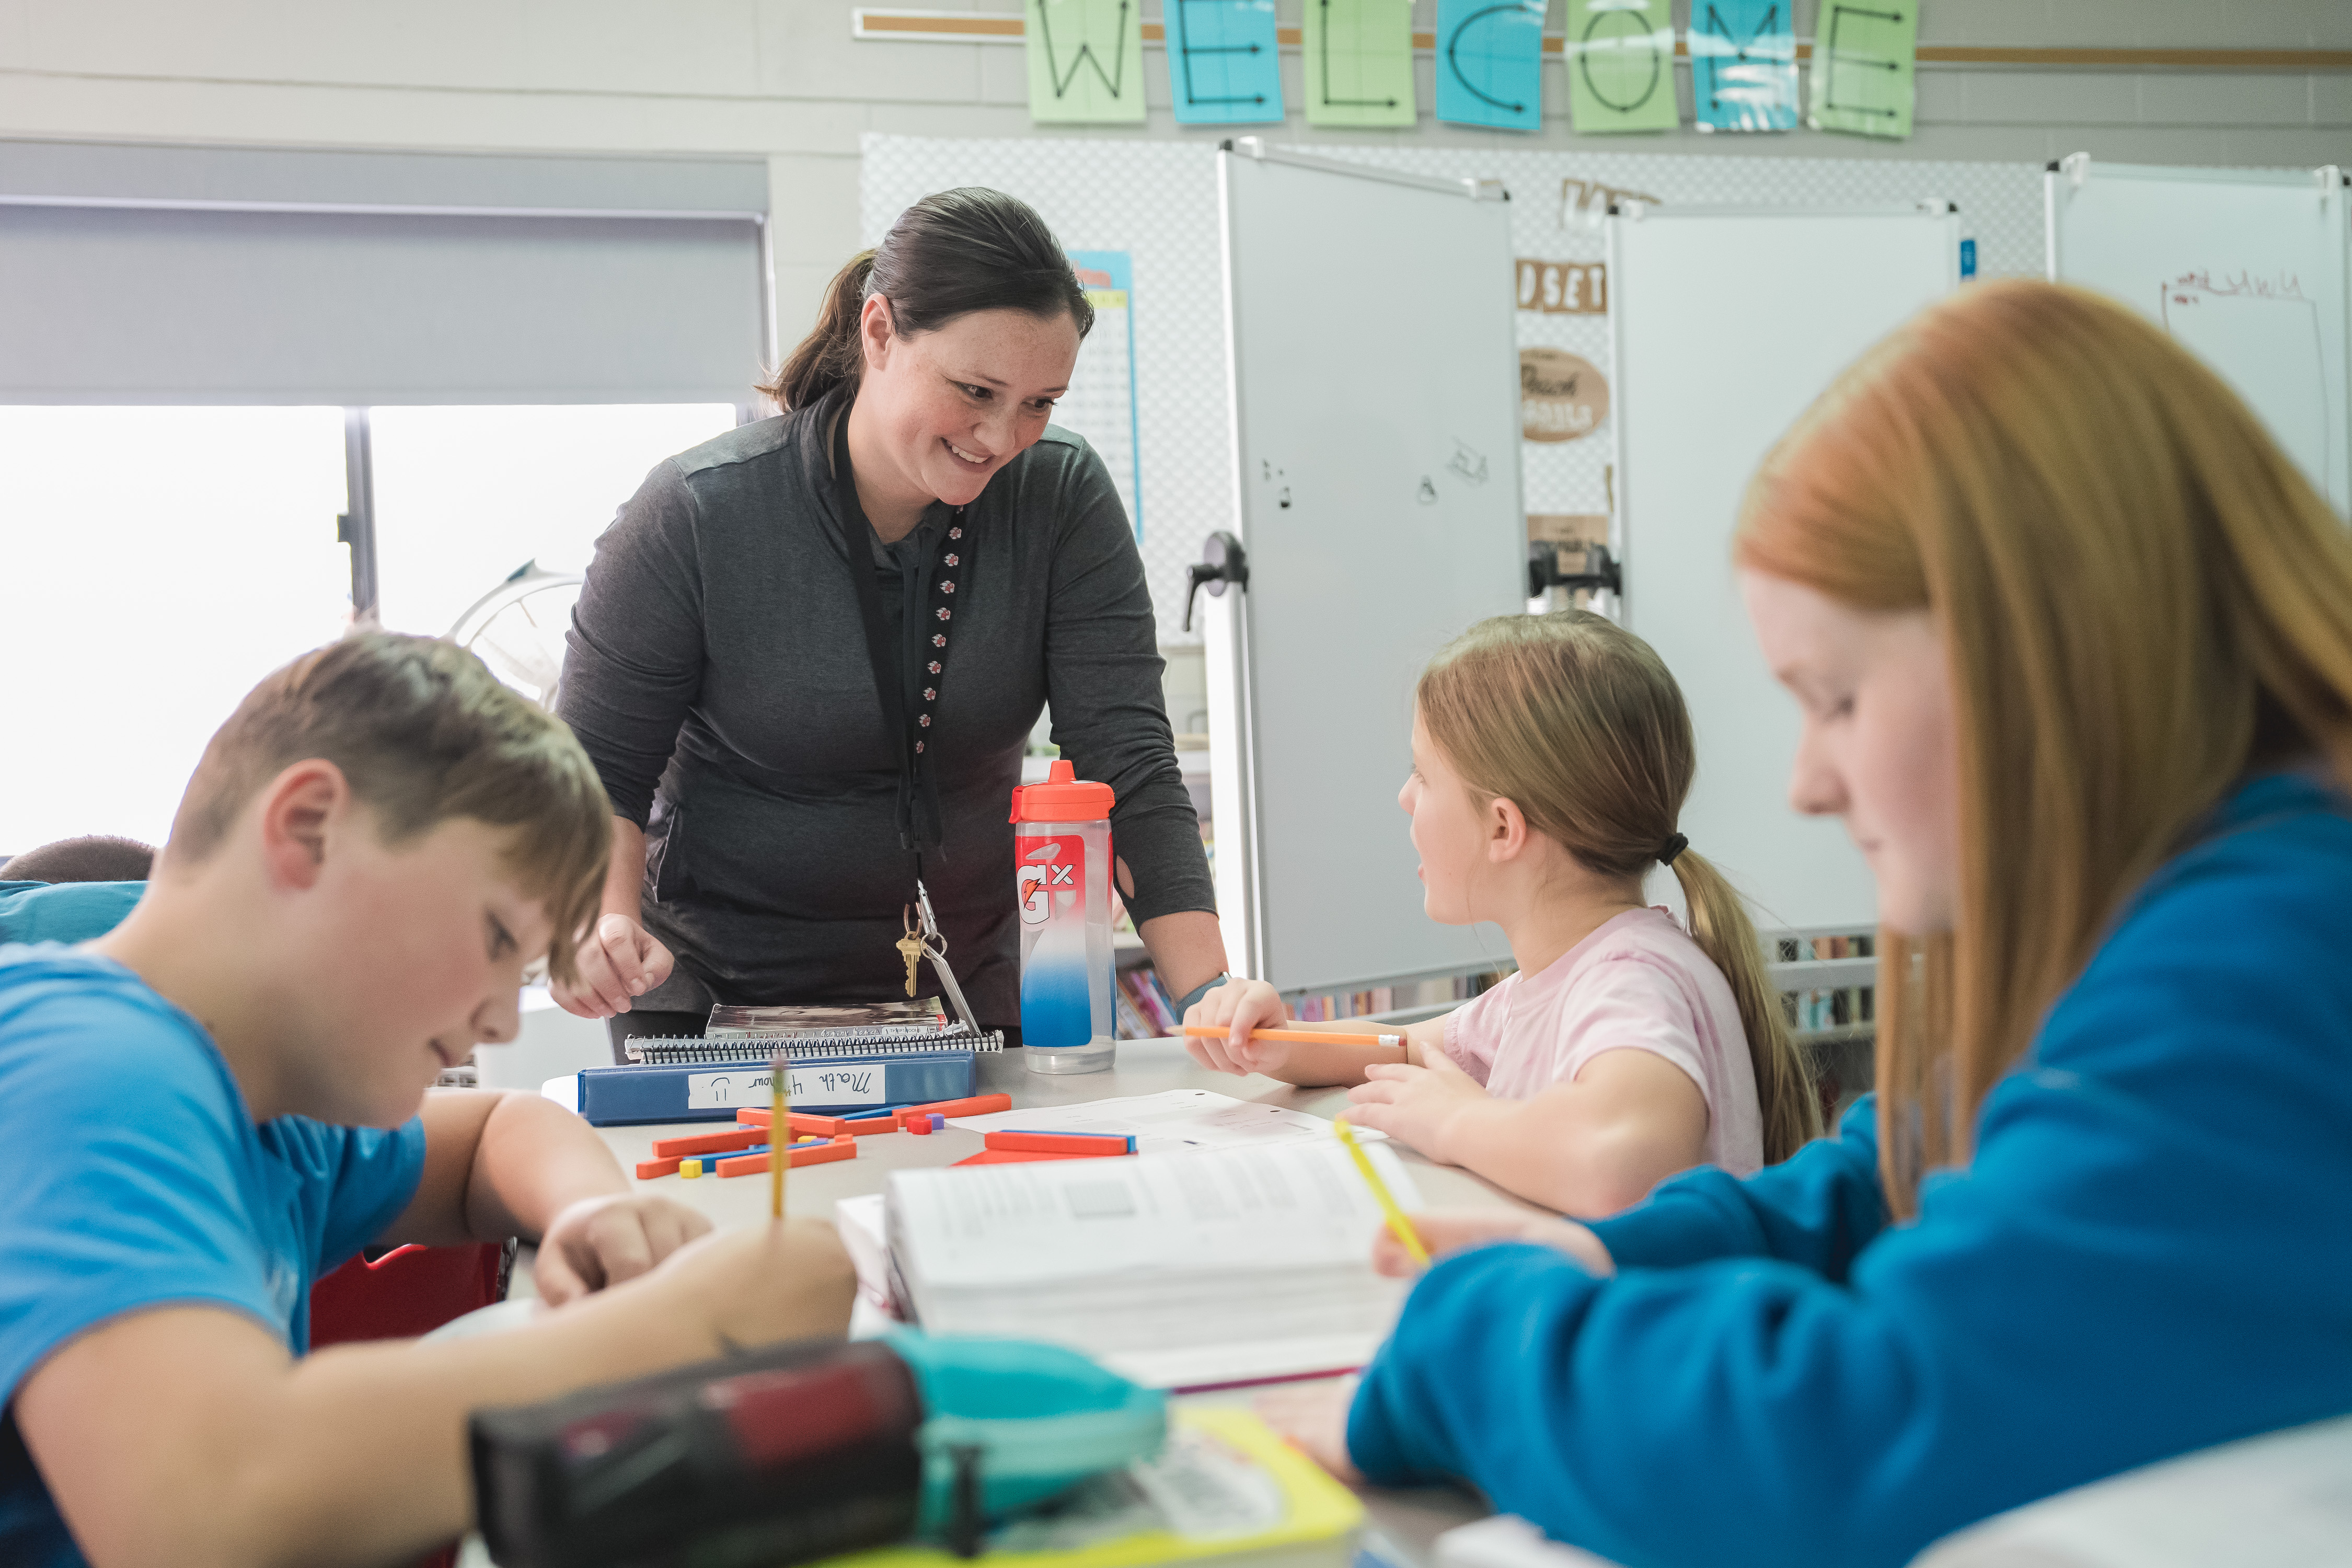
[920, 1128]
[938, 1122]
[689, 1169]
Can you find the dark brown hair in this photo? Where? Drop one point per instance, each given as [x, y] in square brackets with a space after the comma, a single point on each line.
[1579, 724]
[423, 732]
[95, 857]
[949, 255]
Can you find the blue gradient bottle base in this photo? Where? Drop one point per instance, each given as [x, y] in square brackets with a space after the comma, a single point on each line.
[1057, 1020]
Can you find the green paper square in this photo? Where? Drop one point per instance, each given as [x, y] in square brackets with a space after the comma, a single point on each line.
[1621, 66]
[1358, 62]
[1085, 61]
[1863, 55]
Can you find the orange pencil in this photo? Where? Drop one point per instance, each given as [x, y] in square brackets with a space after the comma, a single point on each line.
[1213, 1032]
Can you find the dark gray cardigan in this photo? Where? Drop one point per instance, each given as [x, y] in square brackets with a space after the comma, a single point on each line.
[718, 676]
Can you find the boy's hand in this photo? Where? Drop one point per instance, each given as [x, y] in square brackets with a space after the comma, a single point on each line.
[601, 1241]
[1238, 1006]
[617, 960]
[1445, 1231]
[1416, 1104]
[1314, 1418]
[764, 1283]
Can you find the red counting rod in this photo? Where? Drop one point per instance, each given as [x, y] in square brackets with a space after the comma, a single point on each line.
[649, 1169]
[1060, 1142]
[805, 1154]
[709, 1142]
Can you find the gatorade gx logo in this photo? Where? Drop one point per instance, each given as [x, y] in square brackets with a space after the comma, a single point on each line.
[1050, 874]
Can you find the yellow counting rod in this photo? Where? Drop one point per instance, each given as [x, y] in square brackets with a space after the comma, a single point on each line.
[1399, 1226]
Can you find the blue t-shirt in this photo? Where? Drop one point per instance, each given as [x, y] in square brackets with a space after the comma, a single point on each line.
[135, 1176]
[63, 911]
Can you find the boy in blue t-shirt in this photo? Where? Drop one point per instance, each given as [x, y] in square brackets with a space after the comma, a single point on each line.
[219, 1100]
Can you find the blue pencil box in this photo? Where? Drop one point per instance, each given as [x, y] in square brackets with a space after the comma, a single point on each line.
[834, 1073]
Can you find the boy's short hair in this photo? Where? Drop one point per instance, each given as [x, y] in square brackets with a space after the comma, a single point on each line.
[93, 857]
[423, 732]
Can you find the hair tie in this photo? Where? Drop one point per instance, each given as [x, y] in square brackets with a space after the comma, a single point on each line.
[1673, 847]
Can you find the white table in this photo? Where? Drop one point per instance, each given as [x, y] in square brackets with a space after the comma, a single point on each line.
[1402, 1525]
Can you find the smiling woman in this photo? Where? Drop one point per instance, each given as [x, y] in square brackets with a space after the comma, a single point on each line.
[810, 652]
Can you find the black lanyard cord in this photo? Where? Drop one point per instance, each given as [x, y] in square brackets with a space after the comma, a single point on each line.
[921, 825]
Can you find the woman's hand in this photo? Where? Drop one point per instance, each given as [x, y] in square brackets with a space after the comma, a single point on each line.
[1238, 1006]
[1314, 1418]
[601, 1241]
[1417, 1104]
[1445, 1231]
[617, 960]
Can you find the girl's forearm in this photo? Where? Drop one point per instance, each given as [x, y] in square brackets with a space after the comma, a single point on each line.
[1550, 1154]
[1314, 1065]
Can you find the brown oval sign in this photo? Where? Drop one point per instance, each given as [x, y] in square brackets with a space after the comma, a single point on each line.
[1562, 396]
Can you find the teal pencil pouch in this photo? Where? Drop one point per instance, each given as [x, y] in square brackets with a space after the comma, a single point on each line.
[1009, 1424]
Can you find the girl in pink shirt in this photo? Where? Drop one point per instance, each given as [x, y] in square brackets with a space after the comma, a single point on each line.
[1551, 754]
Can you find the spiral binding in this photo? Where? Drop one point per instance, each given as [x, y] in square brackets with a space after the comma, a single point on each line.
[815, 1045]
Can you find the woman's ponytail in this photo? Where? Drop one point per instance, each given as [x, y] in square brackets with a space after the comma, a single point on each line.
[830, 354]
[951, 253]
[1719, 924]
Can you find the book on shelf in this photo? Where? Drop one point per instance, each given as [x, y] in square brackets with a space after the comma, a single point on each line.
[1180, 1270]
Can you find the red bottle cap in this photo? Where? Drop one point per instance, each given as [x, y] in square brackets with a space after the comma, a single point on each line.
[1062, 797]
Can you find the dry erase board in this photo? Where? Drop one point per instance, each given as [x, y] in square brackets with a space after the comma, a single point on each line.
[1725, 323]
[2246, 268]
[1375, 399]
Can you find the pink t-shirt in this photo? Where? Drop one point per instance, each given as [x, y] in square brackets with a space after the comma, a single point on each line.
[1640, 983]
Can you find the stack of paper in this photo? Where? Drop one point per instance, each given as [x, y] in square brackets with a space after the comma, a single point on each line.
[1181, 1270]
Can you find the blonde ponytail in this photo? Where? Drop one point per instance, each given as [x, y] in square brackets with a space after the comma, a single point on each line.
[1579, 723]
[1784, 1085]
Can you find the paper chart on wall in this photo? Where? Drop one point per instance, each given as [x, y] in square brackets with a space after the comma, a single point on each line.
[1100, 404]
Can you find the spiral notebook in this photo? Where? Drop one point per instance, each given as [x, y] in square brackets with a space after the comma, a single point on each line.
[697, 1078]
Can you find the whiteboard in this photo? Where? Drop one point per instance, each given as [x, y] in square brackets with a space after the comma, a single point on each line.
[2246, 268]
[1376, 428]
[1725, 325]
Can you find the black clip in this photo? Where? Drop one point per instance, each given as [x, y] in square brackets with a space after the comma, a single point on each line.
[1223, 560]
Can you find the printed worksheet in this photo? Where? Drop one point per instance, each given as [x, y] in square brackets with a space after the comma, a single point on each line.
[1169, 1123]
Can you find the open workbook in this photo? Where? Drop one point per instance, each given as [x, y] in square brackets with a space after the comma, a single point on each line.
[1181, 1270]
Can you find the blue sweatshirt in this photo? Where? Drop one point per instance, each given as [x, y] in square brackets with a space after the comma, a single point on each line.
[2150, 1252]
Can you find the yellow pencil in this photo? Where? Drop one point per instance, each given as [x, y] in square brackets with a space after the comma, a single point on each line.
[779, 1135]
[1399, 1226]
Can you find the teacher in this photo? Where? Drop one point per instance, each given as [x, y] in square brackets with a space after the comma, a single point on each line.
[810, 653]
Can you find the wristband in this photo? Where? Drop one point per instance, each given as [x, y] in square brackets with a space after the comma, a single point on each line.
[1185, 1003]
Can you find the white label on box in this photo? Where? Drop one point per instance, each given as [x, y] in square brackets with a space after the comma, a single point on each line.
[817, 1085]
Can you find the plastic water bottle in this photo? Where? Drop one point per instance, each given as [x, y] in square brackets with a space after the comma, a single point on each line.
[1061, 857]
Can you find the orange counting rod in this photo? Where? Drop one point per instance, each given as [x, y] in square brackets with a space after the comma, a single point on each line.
[978, 1105]
[804, 1154]
[649, 1169]
[1016, 1157]
[709, 1142]
[1061, 1142]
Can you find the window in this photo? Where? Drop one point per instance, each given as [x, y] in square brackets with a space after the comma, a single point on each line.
[465, 497]
[158, 562]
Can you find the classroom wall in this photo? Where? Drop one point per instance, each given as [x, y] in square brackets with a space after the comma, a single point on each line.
[782, 79]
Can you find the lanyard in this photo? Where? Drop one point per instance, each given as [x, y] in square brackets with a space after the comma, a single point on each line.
[921, 826]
